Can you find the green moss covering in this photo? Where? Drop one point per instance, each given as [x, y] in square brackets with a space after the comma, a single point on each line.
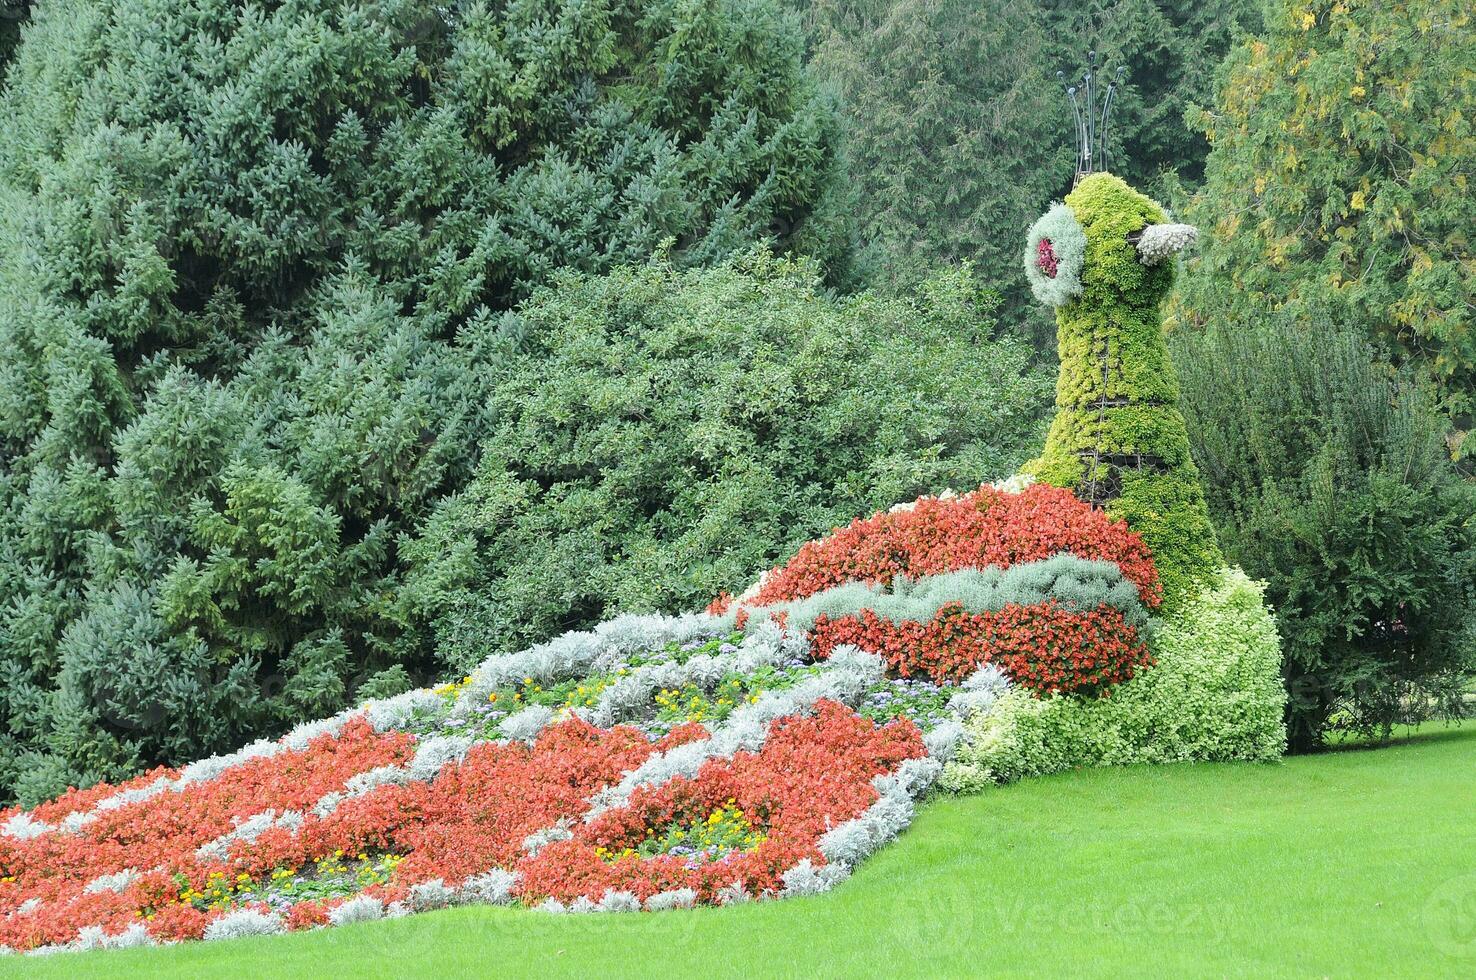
[1118, 438]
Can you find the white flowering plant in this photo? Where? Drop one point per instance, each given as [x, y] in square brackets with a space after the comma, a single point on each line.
[1055, 252]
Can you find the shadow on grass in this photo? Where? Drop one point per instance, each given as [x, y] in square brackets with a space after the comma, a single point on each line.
[1402, 735]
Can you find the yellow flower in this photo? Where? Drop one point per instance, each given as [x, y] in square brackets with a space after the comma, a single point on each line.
[1357, 91]
[1308, 19]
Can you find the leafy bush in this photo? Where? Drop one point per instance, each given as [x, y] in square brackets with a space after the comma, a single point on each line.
[250, 259]
[1328, 477]
[1215, 694]
[662, 434]
[1343, 143]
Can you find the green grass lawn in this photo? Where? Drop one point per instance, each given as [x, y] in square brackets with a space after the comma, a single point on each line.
[1353, 863]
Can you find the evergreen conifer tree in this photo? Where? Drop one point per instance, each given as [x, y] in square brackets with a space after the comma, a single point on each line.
[251, 262]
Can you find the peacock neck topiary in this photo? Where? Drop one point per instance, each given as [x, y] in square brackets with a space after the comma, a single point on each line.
[1103, 258]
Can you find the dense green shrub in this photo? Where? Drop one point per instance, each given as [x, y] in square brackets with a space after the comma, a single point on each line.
[1215, 695]
[1327, 475]
[663, 435]
[251, 259]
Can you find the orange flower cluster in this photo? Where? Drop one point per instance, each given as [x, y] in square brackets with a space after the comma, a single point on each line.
[163, 833]
[1041, 646]
[811, 775]
[979, 529]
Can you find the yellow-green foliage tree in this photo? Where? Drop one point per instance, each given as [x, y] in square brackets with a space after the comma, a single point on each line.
[1340, 177]
[1118, 438]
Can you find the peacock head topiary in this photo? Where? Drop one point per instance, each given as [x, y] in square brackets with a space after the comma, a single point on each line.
[1105, 237]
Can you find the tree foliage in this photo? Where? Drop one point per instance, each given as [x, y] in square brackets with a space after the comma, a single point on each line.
[662, 435]
[956, 134]
[1171, 49]
[251, 264]
[13, 13]
[960, 133]
[1341, 178]
[1327, 476]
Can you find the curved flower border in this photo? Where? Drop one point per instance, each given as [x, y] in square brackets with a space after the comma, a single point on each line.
[409, 777]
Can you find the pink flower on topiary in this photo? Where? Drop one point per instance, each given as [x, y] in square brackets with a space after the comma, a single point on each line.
[1045, 258]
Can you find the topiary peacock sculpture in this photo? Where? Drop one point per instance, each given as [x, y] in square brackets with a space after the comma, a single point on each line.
[762, 747]
[1104, 259]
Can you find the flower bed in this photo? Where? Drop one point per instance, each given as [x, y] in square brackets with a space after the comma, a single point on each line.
[1038, 583]
[985, 528]
[88, 875]
[811, 774]
[1042, 647]
[734, 753]
[754, 751]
